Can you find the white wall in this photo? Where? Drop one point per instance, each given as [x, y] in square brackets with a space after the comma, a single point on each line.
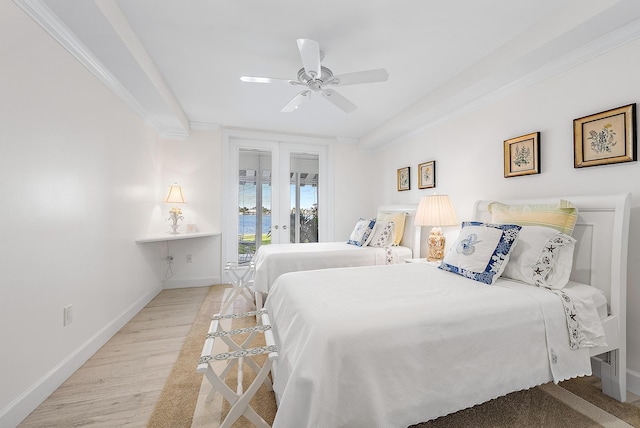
[79, 174]
[354, 188]
[469, 154]
[195, 164]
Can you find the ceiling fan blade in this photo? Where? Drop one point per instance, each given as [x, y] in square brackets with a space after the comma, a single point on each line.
[296, 101]
[369, 76]
[310, 54]
[253, 79]
[340, 101]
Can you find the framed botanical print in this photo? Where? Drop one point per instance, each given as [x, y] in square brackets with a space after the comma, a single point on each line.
[427, 175]
[605, 138]
[404, 182]
[522, 155]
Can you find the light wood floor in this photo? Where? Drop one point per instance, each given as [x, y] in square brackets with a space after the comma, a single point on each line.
[120, 384]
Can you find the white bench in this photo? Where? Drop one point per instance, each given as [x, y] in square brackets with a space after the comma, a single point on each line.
[238, 355]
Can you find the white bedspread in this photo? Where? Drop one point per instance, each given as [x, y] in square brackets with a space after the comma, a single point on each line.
[271, 261]
[391, 346]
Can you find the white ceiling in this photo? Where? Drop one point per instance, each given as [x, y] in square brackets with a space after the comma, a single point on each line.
[178, 63]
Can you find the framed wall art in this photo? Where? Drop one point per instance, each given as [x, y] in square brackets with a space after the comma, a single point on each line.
[404, 182]
[605, 138]
[522, 155]
[427, 175]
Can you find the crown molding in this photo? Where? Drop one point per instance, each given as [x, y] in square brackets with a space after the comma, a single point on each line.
[347, 140]
[204, 126]
[258, 134]
[587, 52]
[49, 21]
[564, 62]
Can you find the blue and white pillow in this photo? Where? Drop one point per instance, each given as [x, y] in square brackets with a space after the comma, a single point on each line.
[362, 232]
[481, 251]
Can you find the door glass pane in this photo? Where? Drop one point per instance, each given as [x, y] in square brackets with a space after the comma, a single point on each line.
[254, 202]
[303, 186]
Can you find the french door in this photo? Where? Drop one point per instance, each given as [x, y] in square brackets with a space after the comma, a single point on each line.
[275, 192]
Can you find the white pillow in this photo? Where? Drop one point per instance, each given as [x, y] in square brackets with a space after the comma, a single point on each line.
[398, 219]
[362, 232]
[383, 234]
[481, 251]
[542, 257]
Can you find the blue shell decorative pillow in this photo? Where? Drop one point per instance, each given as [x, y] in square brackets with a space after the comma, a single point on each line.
[481, 251]
[362, 232]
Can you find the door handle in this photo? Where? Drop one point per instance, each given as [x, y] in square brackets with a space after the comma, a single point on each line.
[284, 227]
[275, 227]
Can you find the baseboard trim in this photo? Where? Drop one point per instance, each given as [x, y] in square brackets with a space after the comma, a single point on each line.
[633, 381]
[30, 399]
[192, 282]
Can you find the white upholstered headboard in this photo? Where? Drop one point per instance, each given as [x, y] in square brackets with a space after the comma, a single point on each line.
[600, 260]
[411, 236]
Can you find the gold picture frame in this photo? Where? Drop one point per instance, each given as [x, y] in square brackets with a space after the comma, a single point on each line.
[427, 175]
[605, 138]
[522, 155]
[404, 179]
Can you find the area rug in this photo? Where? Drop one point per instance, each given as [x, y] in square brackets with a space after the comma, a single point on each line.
[575, 403]
[548, 406]
[178, 398]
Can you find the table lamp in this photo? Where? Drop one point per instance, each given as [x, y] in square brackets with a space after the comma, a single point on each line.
[436, 211]
[175, 196]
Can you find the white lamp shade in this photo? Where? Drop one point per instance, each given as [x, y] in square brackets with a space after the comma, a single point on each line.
[175, 195]
[436, 210]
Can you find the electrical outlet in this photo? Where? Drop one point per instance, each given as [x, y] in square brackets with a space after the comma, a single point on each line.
[189, 259]
[68, 315]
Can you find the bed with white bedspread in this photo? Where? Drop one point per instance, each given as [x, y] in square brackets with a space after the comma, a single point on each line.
[388, 346]
[271, 261]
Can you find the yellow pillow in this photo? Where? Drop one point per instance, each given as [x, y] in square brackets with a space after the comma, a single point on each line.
[398, 220]
[561, 216]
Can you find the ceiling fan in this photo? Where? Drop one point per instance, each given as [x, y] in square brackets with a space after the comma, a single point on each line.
[318, 78]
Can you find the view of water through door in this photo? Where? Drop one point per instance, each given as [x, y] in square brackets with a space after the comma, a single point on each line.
[303, 185]
[254, 201]
[269, 212]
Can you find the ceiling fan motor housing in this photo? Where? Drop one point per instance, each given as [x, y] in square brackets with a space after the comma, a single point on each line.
[315, 84]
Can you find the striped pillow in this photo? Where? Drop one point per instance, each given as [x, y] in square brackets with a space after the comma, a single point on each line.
[561, 216]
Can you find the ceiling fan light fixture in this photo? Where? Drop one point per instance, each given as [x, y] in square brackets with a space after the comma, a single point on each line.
[305, 79]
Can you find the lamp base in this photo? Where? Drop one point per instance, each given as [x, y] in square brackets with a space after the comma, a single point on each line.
[174, 216]
[436, 245]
